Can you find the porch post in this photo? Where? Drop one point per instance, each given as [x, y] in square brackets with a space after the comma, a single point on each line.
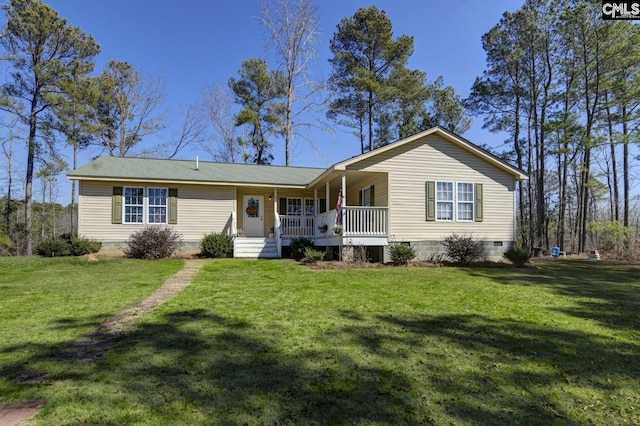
[326, 190]
[276, 221]
[344, 195]
[275, 202]
[316, 207]
[343, 213]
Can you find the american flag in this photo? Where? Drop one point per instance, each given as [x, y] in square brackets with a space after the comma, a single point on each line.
[339, 208]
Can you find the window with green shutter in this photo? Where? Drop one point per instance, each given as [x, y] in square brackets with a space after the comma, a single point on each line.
[430, 190]
[459, 202]
[173, 206]
[140, 205]
[479, 203]
[116, 205]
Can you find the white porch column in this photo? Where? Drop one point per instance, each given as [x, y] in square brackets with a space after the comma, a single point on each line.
[316, 207]
[326, 190]
[344, 195]
[275, 201]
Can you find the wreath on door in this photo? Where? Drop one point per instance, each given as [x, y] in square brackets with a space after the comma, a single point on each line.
[252, 211]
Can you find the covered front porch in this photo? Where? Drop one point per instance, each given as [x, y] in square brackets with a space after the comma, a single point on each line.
[279, 215]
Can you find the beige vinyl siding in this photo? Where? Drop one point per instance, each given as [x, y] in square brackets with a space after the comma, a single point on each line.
[201, 210]
[381, 190]
[435, 159]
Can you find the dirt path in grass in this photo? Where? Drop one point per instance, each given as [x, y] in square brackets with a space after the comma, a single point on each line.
[96, 343]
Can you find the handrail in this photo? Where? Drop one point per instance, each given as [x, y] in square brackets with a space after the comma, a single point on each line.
[365, 221]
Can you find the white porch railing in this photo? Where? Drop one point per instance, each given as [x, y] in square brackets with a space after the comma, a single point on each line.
[365, 221]
[297, 226]
[357, 221]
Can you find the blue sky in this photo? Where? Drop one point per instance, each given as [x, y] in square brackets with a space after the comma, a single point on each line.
[196, 42]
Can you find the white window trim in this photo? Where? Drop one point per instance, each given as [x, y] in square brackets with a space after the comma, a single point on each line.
[145, 205]
[125, 205]
[304, 206]
[368, 188]
[472, 202]
[453, 201]
[456, 201]
[166, 205]
[301, 206]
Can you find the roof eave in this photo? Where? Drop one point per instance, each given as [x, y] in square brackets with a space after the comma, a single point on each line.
[186, 182]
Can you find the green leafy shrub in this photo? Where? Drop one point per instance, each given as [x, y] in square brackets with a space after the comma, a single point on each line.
[462, 248]
[216, 246]
[298, 247]
[401, 254]
[610, 235]
[517, 256]
[81, 245]
[312, 255]
[153, 242]
[53, 247]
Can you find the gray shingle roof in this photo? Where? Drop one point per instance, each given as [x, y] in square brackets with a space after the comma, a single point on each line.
[185, 170]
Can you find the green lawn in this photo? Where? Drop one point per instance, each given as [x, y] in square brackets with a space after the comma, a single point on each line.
[46, 304]
[271, 342]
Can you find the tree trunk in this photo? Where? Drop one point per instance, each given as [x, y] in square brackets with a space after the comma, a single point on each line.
[370, 120]
[625, 167]
[28, 192]
[74, 231]
[615, 195]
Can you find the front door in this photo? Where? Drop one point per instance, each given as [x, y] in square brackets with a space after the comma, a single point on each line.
[253, 208]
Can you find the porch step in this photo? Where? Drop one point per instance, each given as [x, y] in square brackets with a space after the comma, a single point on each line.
[254, 248]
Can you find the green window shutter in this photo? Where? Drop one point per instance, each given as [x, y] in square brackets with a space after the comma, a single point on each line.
[116, 205]
[323, 206]
[431, 201]
[359, 198]
[173, 206]
[373, 196]
[478, 203]
[282, 207]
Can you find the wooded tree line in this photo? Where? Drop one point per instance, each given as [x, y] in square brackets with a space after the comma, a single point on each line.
[559, 80]
[565, 85]
[53, 99]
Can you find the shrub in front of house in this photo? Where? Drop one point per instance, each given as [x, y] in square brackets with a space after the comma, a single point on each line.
[153, 242]
[53, 247]
[401, 254]
[216, 246]
[67, 245]
[312, 255]
[81, 245]
[517, 256]
[462, 248]
[298, 247]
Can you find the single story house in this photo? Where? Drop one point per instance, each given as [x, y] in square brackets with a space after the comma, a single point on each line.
[415, 191]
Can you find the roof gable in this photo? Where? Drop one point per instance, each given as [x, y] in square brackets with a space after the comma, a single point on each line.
[449, 136]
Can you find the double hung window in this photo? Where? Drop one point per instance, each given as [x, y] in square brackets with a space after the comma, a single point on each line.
[145, 205]
[455, 201]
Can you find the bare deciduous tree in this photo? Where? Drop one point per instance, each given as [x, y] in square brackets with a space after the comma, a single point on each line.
[225, 144]
[293, 27]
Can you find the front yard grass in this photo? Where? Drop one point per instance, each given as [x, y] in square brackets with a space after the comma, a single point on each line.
[271, 342]
[48, 303]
